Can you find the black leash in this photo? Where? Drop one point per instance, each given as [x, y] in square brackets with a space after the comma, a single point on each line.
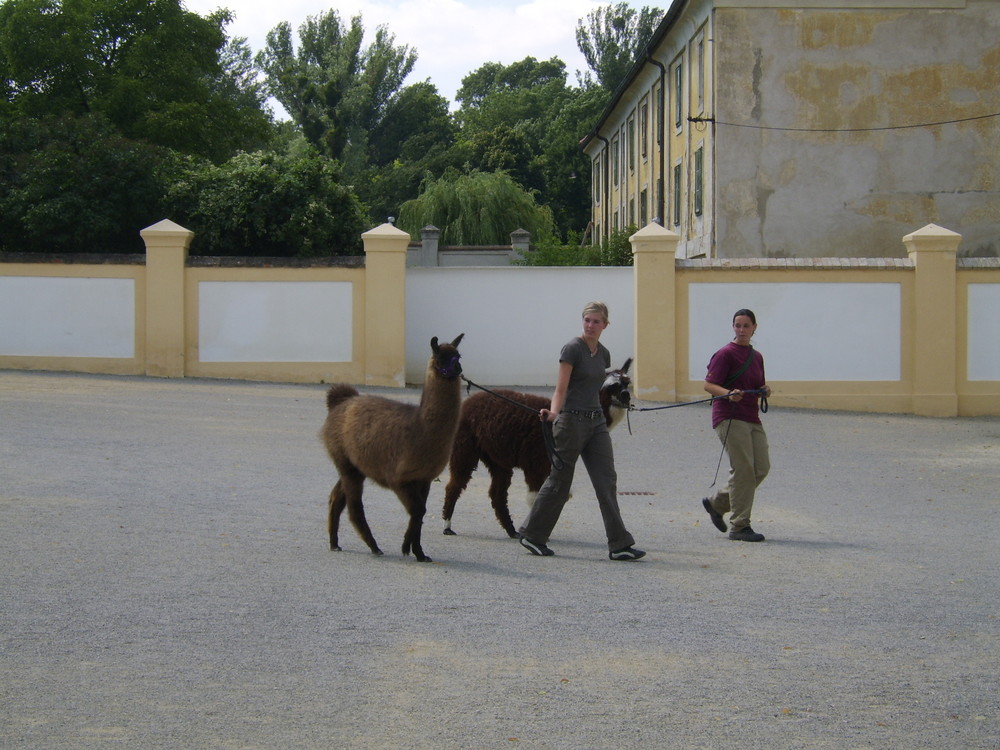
[763, 408]
[550, 444]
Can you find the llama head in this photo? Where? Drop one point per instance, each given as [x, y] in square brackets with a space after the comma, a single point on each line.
[615, 395]
[445, 358]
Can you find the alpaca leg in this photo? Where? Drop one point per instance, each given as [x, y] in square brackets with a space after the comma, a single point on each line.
[535, 477]
[335, 508]
[464, 459]
[356, 512]
[499, 486]
[414, 499]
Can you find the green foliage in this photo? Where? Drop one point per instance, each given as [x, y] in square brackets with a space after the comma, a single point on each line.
[266, 204]
[611, 37]
[478, 208]
[75, 185]
[334, 90]
[157, 72]
[614, 251]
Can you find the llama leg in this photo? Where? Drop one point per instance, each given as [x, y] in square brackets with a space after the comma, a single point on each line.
[414, 499]
[499, 486]
[356, 511]
[464, 459]
[335, 508]
[535, 477]
[456, 486]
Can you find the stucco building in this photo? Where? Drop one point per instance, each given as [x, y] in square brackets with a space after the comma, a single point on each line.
[807, 128]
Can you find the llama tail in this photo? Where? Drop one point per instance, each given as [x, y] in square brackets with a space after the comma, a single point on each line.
[339, 393]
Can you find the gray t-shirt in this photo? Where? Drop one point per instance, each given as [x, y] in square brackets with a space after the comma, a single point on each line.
[584, 391]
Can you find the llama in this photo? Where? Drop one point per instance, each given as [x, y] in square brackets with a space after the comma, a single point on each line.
[400, 446]
[505, 437]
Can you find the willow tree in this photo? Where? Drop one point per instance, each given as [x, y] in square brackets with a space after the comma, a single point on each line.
[478, 208]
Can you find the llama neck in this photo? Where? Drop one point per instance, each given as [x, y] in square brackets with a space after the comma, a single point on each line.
[441, 399]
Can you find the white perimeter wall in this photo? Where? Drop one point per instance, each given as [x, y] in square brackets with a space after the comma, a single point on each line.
[805, 331]
[44, 316]
[984, 332]
[515, 319]
[275, 321]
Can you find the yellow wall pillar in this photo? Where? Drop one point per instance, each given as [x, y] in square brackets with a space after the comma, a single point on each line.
[933, 250]
[166, 254]
[653, 252]
[385, 306]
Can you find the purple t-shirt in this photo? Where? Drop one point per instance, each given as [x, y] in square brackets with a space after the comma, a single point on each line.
[723, 365]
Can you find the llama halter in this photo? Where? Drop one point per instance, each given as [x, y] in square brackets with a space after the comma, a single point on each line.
[452, 369]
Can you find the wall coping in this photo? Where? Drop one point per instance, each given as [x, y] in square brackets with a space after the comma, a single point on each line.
[794, 263]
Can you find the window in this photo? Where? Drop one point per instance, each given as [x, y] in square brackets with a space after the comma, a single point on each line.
[631, 144]
[701, 73]
[677, 195]
[659, 202]
[615, 159]
[631, 212]
[644, 130]
[678, 95]
[698, 180]
[597, 179]
[658, 114]
[643, 221]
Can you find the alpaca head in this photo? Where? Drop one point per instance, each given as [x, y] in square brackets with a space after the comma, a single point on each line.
[615, 395]
[446, 359]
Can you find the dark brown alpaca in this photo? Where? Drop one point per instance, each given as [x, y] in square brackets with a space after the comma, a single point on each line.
[505, 437]
[399, 446]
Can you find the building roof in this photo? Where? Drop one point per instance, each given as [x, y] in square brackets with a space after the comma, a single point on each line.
[645, 56]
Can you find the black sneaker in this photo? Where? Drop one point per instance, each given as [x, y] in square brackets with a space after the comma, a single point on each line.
[716, 516]
[746, 534]
[628, 553]
[535, 548]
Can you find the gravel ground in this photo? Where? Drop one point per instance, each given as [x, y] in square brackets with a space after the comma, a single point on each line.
[167, 583]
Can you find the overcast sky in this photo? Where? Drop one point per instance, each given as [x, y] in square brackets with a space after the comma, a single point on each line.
[452, 38]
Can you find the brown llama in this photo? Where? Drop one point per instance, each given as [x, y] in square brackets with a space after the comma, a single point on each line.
[505, 437]
[400, 446]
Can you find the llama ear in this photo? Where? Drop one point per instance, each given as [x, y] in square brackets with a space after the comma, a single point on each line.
[458, 340]
[628, 364]
[434, 344]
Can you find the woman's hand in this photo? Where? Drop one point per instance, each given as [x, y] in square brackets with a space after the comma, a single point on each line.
[546, 415]
[735, 395]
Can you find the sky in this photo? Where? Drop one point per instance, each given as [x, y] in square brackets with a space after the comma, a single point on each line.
[452, 38]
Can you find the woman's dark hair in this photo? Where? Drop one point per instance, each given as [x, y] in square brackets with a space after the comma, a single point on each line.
[748, 313]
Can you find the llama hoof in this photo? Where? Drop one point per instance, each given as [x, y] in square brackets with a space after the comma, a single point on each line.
[449, 532]
[378, 552]
[424, 558]
[335, 548]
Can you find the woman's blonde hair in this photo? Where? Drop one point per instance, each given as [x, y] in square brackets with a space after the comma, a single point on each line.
[596, 307]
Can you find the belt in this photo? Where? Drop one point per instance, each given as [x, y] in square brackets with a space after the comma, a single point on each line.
[587, 414]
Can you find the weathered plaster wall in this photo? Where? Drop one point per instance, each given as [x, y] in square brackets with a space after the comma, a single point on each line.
[799, 78]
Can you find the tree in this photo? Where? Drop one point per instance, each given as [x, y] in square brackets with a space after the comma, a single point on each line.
[611, 36]
[335, 91]
[268, 204]
[75, 185]
[479, 208]
[157, 72]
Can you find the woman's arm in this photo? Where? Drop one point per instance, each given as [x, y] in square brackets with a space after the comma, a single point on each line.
[559, 396]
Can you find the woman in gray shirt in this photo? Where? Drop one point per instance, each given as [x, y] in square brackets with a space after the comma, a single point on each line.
[580, 430]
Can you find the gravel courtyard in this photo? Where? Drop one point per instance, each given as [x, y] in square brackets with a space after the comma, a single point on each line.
[167, 583]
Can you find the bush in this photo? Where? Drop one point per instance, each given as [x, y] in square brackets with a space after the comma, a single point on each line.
[267, 204]
[614, 251]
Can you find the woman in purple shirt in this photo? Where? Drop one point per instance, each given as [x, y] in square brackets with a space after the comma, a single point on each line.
[735, 368]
